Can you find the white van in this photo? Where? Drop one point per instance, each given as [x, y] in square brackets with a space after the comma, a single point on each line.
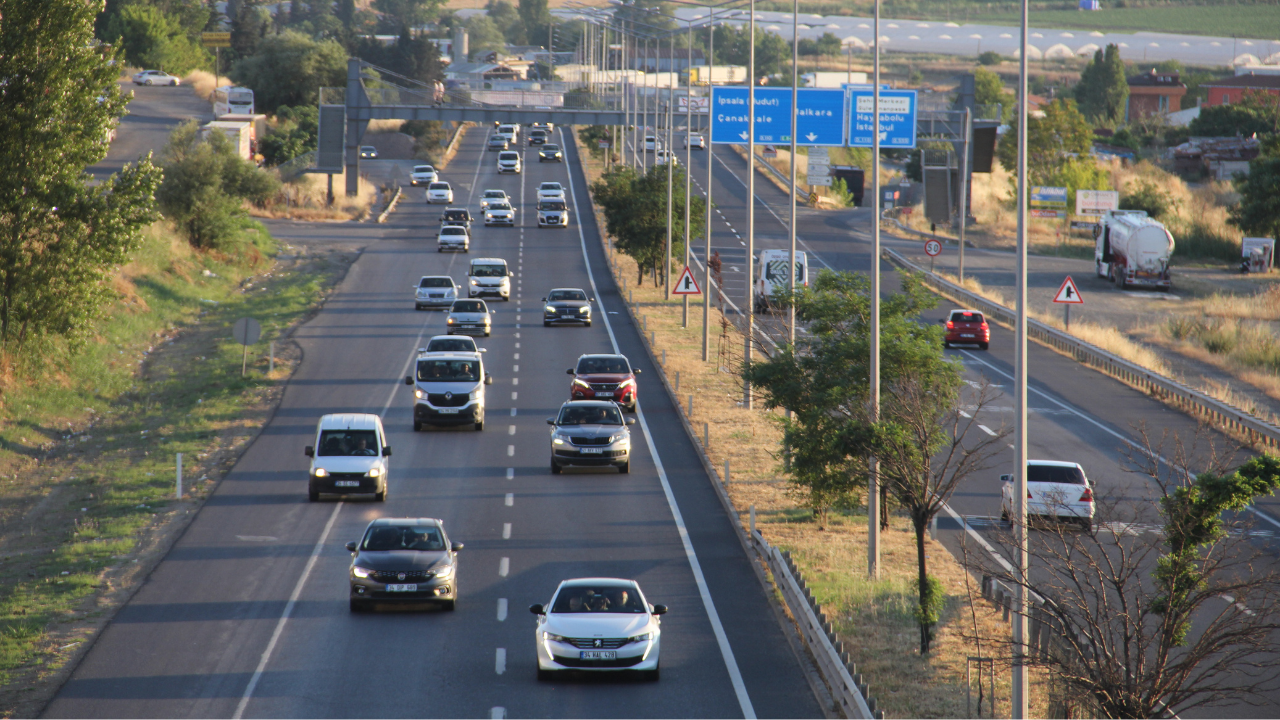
[489, 276]
[349, 456]
[771, 276]
[448, 389]
[509, 162]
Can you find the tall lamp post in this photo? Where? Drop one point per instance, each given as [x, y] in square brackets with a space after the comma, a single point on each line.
[873, 477]
[1019, 698]
[747, 306]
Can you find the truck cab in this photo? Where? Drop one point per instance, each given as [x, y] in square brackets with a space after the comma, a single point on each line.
[772, 279]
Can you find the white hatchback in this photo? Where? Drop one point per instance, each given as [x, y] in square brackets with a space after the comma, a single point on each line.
[551, 191]
[422, 175]
[490, 196]
[598, 625]
[439, 192]
[1054, 489]
[453, 237]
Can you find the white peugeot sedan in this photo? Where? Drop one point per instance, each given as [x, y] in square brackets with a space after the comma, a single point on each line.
[439, 192]
[598, 624]
[1054, 489]
[551, 191]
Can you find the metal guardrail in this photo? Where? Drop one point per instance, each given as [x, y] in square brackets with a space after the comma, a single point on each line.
[1162, 388]
[846, 685]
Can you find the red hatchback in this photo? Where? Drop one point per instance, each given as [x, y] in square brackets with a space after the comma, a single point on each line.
[967, 327]
[604, 377]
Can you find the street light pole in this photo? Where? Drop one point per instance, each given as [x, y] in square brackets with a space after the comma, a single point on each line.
[706, 256]
[666, 258]
[747, 308]
[1018, 698]
[873, 477]
[688, 171]
[795, 92]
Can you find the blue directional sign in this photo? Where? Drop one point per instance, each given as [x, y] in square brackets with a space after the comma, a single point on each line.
[819, 114]
[897, 118]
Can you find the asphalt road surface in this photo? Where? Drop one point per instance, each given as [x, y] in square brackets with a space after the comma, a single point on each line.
[247, 615]
[154, 112]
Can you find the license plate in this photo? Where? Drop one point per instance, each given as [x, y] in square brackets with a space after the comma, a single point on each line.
[476, 326]
[411, 587]
[966, 335]
[346, 483]
[592, 451]
[598, 655]
[447, 411]
[604, 394]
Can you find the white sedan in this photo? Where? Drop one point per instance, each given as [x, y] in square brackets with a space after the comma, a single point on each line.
[499, 212]
[551, 191]
[439, 192]
[155, 77]
[423, 175]
[695, 141]
[665, 156]
[598, 624]
[1054, 489]
[491, 196]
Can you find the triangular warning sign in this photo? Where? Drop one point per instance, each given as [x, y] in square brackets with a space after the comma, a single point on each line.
[1068, 293]
[686, 284]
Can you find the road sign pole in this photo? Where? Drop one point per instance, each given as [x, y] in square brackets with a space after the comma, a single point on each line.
[873, 478]
[964, 190]
[1066, 317]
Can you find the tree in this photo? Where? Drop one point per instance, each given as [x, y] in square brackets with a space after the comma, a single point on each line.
[1145, 195]
[990, 57]
[988, 89]
[1103, 89]
[248, 26]
[773, 53]
[60, 237]
[206, 184]
[505, 16]
[289, 69]
[1134, 610]
[635, 210]
[294, 134]
[407, 13]
[1258, 212]
[152, 39]
[484, 35]
[1257, 112]
[536, 20]
[1051, 140]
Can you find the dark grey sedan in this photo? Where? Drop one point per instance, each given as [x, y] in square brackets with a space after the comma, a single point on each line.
[404, 560]
[566, 305]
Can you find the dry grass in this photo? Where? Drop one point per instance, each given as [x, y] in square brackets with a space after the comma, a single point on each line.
[874, 618]
[303, 198]
[203, 83]
[385, 126]
[1264, 305]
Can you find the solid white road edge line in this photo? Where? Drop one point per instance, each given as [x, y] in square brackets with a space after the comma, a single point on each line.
[731, 664]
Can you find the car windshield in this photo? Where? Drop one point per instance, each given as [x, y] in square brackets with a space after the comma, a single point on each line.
[501, 205]
[495, 194]
[506, 129]
[456, 215]
[1068, 475]
[566, 295]
[367, 147]
[591, 365]
[550, 186]
[453, 230]
[423, 169]
[589, 415]
[551, 148]
[508, 156]
[348, 442]
[438, 186]
[551, 205]
[599, 599]
[403, 537]
[967, 317]
[432, 282]
[488, 271]
[451, 344]
[498, 140]
[468, 306]
[448, 370]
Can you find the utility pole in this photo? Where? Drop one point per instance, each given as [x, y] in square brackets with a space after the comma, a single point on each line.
[791, 191]
[706, 281]
[671, 159]
[688, 174]
[748, 308]
[964, 187]
[873, 479]
[1018, 699]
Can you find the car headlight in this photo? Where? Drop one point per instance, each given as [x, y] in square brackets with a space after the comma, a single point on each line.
[618, 437]
[584, 309]
[473, 281]
[642, 637]
[473, 394]
[550, 309]
[361, 572]
[444, 571]
[581, 383]
[552, 637]
[449, 321]
[320, 472]
[374, 472]
[417, 393]
[558, 439]
[625, 383]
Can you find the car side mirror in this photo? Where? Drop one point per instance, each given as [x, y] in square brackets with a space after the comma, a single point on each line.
[544, 299]
[636, 371]
[511, 273]
[551, 421]
[488, 379]
[942, 320]
[482, 349]
[309, 451]
[631, 421]
[1006, 478]
[386, 451]
[591, 299]
[455, 547]
[351, 546]
[537, 609]
[570, 372]
[408, 379]
[659, 609]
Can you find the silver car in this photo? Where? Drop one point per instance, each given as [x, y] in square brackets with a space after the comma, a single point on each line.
[453, 237]
[499, 213]
[469, 317]
[490, 196]
[435, 291]
[590, 433]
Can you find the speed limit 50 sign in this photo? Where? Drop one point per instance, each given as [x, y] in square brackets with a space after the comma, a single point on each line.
[932, 248]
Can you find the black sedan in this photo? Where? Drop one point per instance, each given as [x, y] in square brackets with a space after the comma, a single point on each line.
[404, 560]
[566, 305]
[550, 153]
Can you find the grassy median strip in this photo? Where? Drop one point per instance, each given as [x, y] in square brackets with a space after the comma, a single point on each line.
[874, 618]
[89, 436]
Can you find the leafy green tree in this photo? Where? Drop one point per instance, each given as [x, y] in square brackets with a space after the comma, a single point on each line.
[60, 237]
[206, 184]
[1257, 112]
[1051, 140]
[249, 25]
[988, 89]
[1258, 212]
[289, 69]
[484, 35]
[536, 20]
[1103, 89]
[990, 57]
[152, 39]
[504, 15]
[407, 13]
[635, 210]
[773, 53]
[1144, 195]
[294, 134]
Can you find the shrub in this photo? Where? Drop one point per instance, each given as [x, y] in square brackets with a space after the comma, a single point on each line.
[990, 57]
[1144, 195]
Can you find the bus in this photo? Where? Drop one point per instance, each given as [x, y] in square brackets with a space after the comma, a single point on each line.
[232, 100]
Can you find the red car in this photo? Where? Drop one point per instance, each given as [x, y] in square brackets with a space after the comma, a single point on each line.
[967, 327]
[604, 377]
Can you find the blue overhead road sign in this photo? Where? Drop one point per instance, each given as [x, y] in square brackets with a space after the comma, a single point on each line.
[897, 118]
[819, 115]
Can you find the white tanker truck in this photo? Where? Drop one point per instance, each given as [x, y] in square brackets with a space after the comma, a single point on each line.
[1132, 249]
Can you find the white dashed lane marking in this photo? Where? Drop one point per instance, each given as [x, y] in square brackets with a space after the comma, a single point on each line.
[504, 567]
[510, 499]
[506, 531]
[502, 609]
[511, 473]
[511, 451]
[511, 429]
[500, 661]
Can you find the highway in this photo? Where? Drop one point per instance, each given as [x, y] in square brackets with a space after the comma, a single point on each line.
[153, 113]
[247, 616]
